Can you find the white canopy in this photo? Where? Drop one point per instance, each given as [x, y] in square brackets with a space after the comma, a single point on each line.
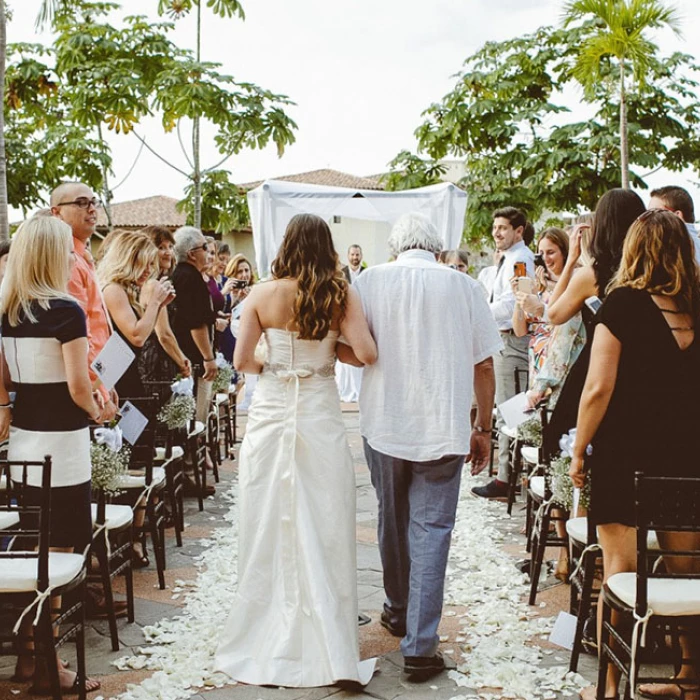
[275, 202]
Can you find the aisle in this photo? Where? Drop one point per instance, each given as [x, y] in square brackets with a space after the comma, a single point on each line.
[494, 638]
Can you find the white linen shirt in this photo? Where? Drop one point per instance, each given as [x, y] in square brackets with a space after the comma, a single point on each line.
[693, 232]
[431, 324]
[503, 302]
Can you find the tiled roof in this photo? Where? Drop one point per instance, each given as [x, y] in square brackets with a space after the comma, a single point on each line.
[329, 178]
[149, 211]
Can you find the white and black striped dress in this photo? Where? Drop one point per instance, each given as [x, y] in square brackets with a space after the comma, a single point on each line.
[45, 420]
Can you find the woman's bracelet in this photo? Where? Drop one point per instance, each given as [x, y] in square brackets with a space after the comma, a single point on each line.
[7, 405]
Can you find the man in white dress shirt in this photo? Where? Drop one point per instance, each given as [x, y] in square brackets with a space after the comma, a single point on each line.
[435, 339]
[508, 228]
[677, 200]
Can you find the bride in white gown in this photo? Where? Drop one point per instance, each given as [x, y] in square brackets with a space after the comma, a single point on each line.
[294, 618]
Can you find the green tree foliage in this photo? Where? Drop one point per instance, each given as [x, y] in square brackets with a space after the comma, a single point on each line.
[619, 34]
[507, 118]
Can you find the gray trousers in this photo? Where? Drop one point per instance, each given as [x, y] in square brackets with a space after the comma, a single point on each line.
[513, 356]
[417, 507]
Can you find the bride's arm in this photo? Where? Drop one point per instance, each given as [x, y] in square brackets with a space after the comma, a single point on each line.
[249, 332]
[354, 328]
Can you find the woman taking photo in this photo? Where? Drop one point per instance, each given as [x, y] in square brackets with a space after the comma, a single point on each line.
[294, 618]
[639, 408]
[161, 357]
[45, 349]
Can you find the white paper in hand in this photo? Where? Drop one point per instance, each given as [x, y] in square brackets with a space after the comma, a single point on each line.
[132, 423]
[514, 410]
[114, 359]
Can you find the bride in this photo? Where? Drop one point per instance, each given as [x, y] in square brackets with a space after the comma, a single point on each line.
[294, 617]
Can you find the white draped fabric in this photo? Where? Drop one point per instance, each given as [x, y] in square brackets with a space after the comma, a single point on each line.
[275, 202]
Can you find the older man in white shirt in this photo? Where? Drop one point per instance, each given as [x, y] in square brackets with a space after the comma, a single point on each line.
[435, 339]
[508, 227]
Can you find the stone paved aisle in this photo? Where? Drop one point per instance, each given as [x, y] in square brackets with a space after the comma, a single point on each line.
[388, 683]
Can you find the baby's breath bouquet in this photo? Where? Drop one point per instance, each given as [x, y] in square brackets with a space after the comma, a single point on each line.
[530, 432]
[109, 459]
[224, 375]
[558, 474]
[179, 409]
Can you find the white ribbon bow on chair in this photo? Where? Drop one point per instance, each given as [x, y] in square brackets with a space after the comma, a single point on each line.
[111, 437]
[183, 387]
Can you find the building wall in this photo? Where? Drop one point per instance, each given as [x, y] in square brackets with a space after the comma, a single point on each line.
[241, 242]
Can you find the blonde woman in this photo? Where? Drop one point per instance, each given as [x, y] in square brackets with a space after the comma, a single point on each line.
[45, 351]
[133, 297]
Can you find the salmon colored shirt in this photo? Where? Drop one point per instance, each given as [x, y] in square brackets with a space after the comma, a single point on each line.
[85, 289]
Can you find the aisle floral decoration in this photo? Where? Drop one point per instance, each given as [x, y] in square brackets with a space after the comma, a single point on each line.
[530, 432]
[224, 375]
[558, 474]
[110, 460]
[179, 409]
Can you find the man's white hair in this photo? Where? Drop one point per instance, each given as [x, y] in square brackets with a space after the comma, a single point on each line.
[186, 238]
[414, 231]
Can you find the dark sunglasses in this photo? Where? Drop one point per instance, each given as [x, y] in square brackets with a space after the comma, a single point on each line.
[83, 203]
[203, 247]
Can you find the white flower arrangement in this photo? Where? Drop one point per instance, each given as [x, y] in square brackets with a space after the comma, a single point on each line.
[108, 466]
[179, 409]
[530, 432]
[224, 375]
[558, 474]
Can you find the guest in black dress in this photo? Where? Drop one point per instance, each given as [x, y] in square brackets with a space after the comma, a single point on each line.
[614, 214]
[639, 408]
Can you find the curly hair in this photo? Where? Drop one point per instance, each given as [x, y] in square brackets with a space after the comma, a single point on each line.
[307, 254]
[659, 257]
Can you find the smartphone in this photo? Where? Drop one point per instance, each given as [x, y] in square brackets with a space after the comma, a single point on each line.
[593, 303]
[520, 269]
[539, 260]
[239, 284]
[524, 284]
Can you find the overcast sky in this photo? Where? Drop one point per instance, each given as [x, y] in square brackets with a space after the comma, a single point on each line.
[360, 71]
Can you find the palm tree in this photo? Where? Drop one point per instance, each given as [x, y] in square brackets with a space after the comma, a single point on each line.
[619, 33]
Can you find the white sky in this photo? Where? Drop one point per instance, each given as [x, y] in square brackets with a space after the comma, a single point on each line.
[360, 71]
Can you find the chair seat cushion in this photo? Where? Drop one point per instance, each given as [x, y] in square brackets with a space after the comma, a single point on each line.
[131, 481]
[531, 455]
[8, 520]
[177, 453]
[221, 399]
[577, 529]
[198, 429]
[116, 516]
[3, 483]
[665, 596]
[537, 486]
[510, 432]
[19, 575]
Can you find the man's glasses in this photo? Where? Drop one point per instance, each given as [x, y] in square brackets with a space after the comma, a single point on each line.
[203, 247]
[83, 203]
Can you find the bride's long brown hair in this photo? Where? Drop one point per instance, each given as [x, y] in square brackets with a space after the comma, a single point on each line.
[308, 255]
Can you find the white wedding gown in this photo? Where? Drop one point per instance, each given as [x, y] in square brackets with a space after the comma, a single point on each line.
[294, 617]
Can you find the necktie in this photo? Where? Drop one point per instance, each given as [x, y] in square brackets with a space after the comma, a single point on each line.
[498, 269]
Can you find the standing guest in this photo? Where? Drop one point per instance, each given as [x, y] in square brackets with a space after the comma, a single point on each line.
[639, 408]
[218, 301]
[161, 357]
[239, 273]
[76, 205]
[355, 264]
[194, 318]
[45, 351]
[457, 259]
[414, 420]
[679, 201]
[223, 255]
[508, 228]
[530, 307]
[134, 299]
[487, 276]
[614, 214]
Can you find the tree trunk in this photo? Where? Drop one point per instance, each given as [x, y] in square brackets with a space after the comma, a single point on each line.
[624, 155]
[197, 177]
[4, 221]
[106, 192]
